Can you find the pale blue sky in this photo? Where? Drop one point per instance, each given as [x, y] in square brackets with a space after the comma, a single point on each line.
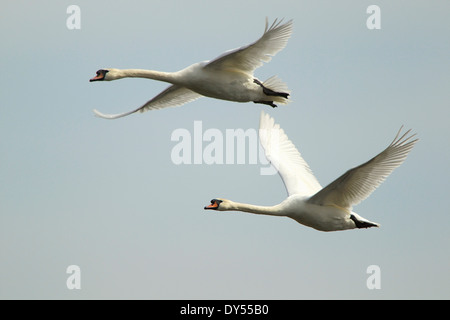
[105, 195]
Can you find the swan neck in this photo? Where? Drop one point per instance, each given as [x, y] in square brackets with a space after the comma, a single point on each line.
[266, 210]
[149, 74]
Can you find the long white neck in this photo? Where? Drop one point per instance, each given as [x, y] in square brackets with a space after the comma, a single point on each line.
[142, 73]
[266, 210]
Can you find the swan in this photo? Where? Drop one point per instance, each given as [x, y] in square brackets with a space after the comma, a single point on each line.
[324, 209]
[228, 77]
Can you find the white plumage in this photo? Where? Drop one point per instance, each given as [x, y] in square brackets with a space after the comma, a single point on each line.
[328, 208]
[228, 77]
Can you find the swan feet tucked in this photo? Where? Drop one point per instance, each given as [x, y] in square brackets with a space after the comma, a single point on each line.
[269, 92]
[270, 103]
[362, 224]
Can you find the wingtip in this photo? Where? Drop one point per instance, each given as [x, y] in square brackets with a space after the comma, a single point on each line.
[104, 116]
[263, 117]
[404, 138]
[277, 22]
[267, 123]
[113, 116]
[99, 114]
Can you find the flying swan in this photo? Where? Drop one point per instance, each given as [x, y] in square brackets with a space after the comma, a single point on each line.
[228, 77]
[324, 209]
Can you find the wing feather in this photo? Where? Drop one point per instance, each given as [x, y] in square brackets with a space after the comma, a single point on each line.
[171, 97]
[250, 57]
[358, 183]
[284, 156]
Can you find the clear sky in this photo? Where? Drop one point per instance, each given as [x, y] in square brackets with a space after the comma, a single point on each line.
[107, 196]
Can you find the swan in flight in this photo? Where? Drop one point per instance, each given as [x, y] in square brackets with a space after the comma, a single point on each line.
[324, 209]
[228, 77]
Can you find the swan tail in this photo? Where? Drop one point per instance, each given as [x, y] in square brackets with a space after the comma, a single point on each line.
[278, 88]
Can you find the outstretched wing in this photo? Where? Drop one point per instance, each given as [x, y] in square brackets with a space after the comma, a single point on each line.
[281, 152]
[358, 183]
[248, 58]
[171, 97]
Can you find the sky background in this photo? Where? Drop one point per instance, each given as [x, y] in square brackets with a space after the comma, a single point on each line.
[105, 195]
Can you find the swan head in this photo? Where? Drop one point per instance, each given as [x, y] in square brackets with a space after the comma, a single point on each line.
[106, 75]
[218, 204]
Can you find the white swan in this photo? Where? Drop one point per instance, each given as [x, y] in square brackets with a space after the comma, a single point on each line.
[228, 77]
[324, 209]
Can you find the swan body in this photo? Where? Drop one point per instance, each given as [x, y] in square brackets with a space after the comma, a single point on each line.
[325, 209]
[228, 77]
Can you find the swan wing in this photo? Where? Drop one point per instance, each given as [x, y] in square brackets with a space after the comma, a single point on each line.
[358, 183]
[252, 56]
[284, 156]
[171, 97]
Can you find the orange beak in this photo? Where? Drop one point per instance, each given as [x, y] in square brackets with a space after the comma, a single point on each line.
[96, 78]
[214, 205]
[100, 75]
